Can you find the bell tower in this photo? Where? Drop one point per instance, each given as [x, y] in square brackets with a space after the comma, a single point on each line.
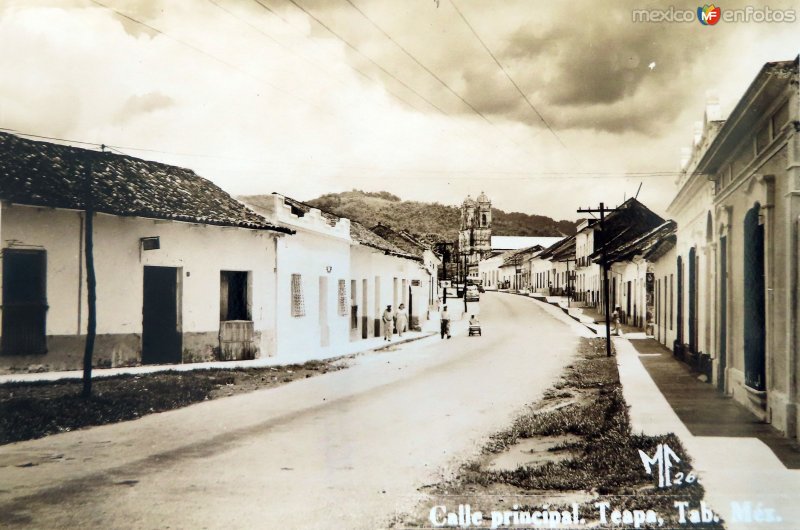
[483, 227]
[475, 234]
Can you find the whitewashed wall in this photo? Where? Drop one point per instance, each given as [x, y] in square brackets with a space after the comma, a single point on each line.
[200, 251]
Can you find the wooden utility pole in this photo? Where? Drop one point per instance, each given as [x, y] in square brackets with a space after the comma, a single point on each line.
[602, 210]
[91, 281]
[465, 284]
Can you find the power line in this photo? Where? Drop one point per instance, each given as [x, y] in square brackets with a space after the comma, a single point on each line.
[377, 65]
[413, 58]
[434, 75]
[296, 54]
[519, 90]
[206, 54]
[430, 173]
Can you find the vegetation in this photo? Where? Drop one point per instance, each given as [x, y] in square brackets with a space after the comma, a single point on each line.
[37, 409]
[583, 421]
[431, 221]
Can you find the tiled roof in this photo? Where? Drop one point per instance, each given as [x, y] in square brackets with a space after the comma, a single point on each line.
[650, 245]
[626, 223]
[364, 236]
[564, 250]
[518, 242]
[47, 174]
[515, 256]
[408, 245]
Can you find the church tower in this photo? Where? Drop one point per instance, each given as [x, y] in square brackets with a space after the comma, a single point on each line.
[483, 228]
[475, 234]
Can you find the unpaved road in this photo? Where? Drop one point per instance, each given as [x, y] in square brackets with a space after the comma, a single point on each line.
[344, 450]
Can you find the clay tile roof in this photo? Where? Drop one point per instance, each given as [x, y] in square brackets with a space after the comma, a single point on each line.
[407, 244]
[53, 175]
[367, 237]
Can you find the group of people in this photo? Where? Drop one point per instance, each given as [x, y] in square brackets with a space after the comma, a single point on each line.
[394, 320]
[444, 318]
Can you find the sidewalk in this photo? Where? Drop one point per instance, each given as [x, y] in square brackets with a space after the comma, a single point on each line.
[357, 347]
[750, 472]
[742, 475]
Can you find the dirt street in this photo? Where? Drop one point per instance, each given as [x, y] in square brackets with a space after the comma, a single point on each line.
[343, 450]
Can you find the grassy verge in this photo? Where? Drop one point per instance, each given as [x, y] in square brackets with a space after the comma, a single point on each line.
[37, 409]
[574, 447]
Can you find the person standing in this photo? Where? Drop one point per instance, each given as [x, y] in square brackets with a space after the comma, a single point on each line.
[615, 319]
[401, 320]
[388, 323]
[445, 322]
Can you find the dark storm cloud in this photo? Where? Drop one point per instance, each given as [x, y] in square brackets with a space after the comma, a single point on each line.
[604, 64]
[589, 72]
[480, 88]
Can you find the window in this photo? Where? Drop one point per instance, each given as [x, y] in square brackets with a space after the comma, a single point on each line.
[353, 305]
[234, 295]
[298, 304]
[342, 298]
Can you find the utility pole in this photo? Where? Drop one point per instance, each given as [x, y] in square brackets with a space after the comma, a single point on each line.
[602, 210]
[465, 283]
[91, 281]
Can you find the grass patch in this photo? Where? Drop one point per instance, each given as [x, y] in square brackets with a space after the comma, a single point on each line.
[604, 464]
[30, 410]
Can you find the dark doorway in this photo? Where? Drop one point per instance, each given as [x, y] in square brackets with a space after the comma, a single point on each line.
[233, 296]
[754, 302]
[161, 338]
[693, 300]
[723, 311]
[679, 295]
[411, 307]
[24, 302]
[628, 303]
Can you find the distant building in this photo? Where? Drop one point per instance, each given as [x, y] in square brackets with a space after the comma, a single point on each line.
[502, 244]
[475, 234]
[626, 223]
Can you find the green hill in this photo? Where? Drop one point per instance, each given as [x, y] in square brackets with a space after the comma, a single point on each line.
[432, 221]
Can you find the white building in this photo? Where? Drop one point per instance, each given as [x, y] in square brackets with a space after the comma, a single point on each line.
[184, 272]
[502, 244]
[313, 272]
[335, 279]
[732, 281]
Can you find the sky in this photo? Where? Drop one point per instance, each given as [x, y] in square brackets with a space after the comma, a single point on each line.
[546, 106]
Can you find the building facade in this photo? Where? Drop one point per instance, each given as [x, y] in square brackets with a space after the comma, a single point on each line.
[159, 298]
[728, 292]
[475, 232]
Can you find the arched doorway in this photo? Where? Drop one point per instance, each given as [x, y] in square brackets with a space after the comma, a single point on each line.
[754, 301]
[692, 295]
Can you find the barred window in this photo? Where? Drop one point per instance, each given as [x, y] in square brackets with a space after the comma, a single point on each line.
[342, 298]
[298, 305]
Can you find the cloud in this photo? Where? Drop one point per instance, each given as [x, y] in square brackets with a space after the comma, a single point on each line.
[143, 104]
[259, 105]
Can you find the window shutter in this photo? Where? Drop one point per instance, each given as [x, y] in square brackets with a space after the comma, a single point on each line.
[298, 305]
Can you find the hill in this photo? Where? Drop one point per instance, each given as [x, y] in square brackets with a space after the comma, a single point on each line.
[432, 221]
